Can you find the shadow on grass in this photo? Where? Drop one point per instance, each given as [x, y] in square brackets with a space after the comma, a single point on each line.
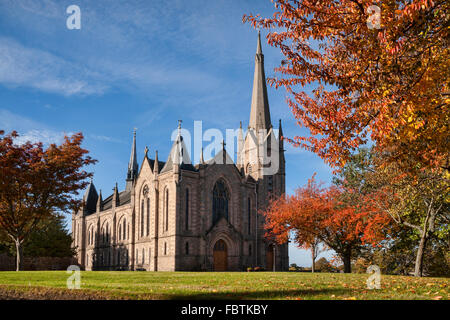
[46, 293]
[268, 294]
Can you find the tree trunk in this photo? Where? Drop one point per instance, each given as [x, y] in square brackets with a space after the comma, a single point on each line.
[419, 257]
[346, 258]
[313, 256]
[18, 255]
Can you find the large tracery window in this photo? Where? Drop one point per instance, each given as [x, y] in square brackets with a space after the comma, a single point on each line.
[220, 201]
[145, 203]
[167, 211]
[142, 218]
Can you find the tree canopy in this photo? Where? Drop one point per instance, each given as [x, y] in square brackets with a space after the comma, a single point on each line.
[37, 183]
[388, 83]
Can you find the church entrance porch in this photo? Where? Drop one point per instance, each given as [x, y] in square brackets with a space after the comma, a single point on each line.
[220, 256]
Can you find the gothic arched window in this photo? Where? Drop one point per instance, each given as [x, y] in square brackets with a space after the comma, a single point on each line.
[142, 218]
[186, 218]
[124, 229]
[220, 201]
[145, 195]
[167, 210]
[148, 216]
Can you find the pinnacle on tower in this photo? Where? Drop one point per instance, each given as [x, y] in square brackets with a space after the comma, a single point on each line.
[133, 166]
[99, 201]
[116, 199]
[259, 114]
[156, 163]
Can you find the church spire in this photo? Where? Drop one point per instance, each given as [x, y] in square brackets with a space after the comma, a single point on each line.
[132, 165]
[259, 114]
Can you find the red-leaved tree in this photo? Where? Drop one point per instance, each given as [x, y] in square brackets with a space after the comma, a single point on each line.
[315, 212]
[387, 80]
[36, 183]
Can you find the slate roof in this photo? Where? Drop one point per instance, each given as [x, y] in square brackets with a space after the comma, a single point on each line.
[124, 198]
[90, 198]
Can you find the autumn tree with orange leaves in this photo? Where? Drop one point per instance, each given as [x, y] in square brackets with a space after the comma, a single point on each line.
[36, 183]
[388, 83]
[316, 212]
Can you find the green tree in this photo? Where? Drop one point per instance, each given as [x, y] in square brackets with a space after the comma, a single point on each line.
[50, 239]
[420, 203]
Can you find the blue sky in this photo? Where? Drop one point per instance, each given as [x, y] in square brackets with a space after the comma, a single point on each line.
[142, 64]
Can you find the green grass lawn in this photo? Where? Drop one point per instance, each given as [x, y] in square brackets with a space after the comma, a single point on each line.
[215, 285]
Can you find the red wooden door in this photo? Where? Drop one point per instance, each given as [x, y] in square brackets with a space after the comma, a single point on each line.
[220, 255]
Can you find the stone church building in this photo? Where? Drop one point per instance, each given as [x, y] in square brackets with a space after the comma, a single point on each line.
[175, 216]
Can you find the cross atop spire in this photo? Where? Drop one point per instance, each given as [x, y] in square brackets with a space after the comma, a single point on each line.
[260, 113]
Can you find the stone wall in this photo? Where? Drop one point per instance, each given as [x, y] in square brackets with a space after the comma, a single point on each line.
[8, 263]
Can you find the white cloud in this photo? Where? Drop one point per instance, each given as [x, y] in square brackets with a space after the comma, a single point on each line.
[22, 66]
[29, 130]
[104, 138]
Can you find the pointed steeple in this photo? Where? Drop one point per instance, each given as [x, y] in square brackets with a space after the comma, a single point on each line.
[132, 165]
[259, 114]
[90, 199]
[116, 199]
[258, 45]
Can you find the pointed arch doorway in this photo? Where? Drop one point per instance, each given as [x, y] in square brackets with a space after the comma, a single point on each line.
[220, 256]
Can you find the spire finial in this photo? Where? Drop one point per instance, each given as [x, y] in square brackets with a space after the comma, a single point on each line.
[258, 46]
[145, 151]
